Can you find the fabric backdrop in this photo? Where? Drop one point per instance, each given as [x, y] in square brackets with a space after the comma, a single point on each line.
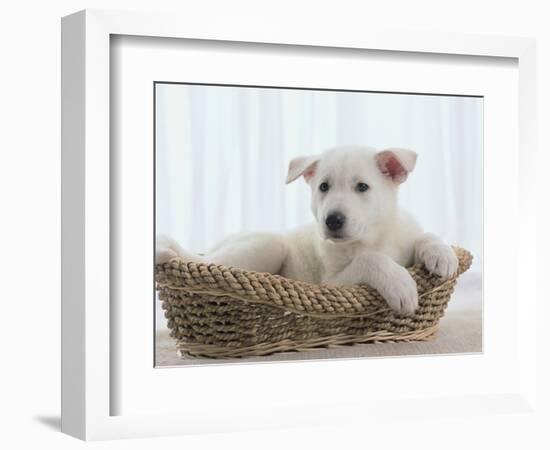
[222, 154]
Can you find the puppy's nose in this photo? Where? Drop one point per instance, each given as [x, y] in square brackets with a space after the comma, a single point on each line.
[335, 221]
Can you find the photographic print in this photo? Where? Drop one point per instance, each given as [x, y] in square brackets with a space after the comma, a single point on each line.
[296, 224]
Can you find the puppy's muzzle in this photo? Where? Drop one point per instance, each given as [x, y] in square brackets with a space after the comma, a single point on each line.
[335, 221]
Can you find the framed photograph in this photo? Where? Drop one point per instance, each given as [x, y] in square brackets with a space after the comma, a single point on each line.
[222, 153]
[249, 207]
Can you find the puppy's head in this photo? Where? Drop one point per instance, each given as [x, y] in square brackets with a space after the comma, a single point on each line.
[354, 189]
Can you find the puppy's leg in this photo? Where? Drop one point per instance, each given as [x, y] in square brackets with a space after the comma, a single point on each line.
[438, 257]
[167, 248]
[261, 252]
[392, 281]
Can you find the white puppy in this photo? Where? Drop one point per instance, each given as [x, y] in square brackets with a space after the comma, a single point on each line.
[360, 235]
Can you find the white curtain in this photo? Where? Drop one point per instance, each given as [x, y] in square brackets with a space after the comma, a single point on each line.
[222, 155]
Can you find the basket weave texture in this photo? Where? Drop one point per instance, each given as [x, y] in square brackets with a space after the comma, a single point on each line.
[225, 312]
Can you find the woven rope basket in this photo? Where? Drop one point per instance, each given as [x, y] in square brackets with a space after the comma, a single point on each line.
[224, 312]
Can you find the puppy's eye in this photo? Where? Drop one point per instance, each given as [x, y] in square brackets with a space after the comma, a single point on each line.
[323, 187]
[362, 187]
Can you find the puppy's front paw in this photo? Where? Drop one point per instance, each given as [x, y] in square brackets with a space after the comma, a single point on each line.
[400, 292]
[439, 259]
[164, 254]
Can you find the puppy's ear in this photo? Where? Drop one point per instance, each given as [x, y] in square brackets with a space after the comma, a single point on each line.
[396, 163]
[302, 165]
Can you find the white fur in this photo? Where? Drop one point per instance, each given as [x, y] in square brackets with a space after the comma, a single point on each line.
[377, 241]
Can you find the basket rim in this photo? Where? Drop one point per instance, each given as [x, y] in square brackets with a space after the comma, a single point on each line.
[321, 301]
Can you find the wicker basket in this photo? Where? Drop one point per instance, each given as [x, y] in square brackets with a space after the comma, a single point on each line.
[225, 312]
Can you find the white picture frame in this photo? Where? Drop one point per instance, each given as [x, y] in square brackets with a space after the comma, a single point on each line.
[87, 325]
